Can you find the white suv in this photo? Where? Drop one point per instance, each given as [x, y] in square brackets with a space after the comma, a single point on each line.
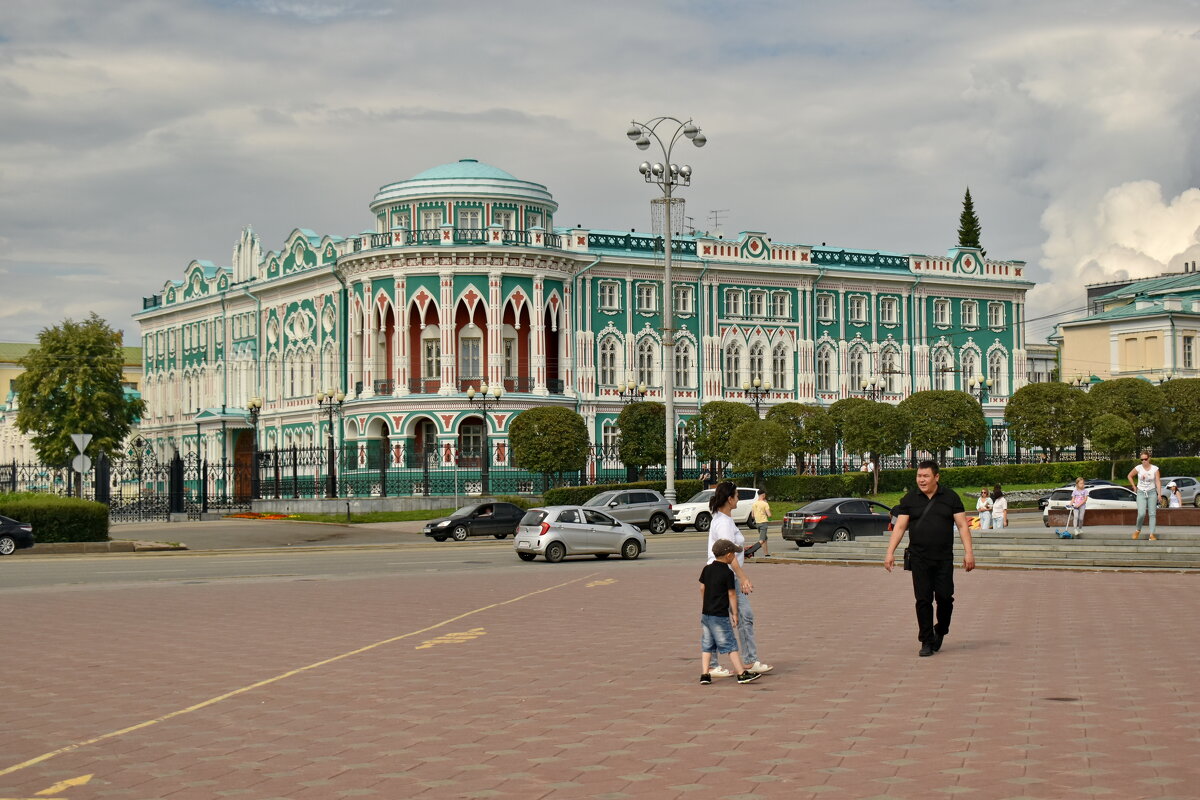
[1098, 497]
[695, 514]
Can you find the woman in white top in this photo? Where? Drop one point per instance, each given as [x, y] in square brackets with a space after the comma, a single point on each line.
[1174, 496]
[1146, 480]
[984, 507]
[999, 509]
[722, 502]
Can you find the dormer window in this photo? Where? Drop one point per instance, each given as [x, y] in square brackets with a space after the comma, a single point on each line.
[505, 219]
[534, 220]
[431, 219]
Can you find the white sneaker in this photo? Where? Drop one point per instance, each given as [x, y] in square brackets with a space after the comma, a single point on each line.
[759, 667]
[719, 672]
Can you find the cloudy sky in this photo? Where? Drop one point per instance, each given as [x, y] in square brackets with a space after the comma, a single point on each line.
[137, 135]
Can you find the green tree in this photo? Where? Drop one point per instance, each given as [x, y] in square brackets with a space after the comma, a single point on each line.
[549, 440]
[760, 445]
[1138, 402]
[810, 429]
[1048, 415]
[1181, 399]
[942, 419]
[878, 429]
[72, 384]
[969, 229]
[1115, 437]
[642, 442]
[711, 431]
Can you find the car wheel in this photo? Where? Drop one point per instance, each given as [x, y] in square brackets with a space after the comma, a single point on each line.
[525, 556]
[439, 538]
[658, 524]
[842, 535]
[555, 552]
[461, 533]
[630, 550]
[500, 535]
[8, 545]
[703, 522]
[603, 556]
[1196, 500]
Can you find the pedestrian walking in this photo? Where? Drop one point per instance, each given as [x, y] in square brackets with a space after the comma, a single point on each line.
[999, 509]
[934, 512]
[721, 504]
[983, 507]
[761, 511]
[1146, 480]
[705, 477]
[718, 613]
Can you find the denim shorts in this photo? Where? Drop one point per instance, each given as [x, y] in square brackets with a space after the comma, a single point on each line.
[716, 635]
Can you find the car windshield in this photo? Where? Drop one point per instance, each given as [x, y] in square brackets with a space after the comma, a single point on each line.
[601, 499]
[533, 517]
[466, 511]
[701, 497]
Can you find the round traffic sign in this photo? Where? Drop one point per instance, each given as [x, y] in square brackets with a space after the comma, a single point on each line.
[81, 464]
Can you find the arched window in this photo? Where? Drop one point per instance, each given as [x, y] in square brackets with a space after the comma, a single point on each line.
[825, 369]
[608, 361]
[858, 370]
[645, 362]
[733, 365]
[273, 377]
[943, 369]
[757, 357]
[610, 436]
[683, 365]
[970, 368]
[779, 367]
[889, 363]
[998, 372]
[470, 354]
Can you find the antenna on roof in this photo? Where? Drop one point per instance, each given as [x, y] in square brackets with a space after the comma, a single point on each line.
[714, 217]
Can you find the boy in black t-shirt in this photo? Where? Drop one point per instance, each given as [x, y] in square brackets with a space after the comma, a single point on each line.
[718, 613]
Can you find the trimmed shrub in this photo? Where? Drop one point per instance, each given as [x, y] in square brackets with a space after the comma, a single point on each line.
[520, 502]
[578, 495]
[803, 488]
[58, 519]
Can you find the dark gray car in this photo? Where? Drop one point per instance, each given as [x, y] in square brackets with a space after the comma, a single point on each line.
[644, 508]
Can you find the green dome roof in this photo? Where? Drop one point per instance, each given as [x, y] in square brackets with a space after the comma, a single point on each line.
[464, 168]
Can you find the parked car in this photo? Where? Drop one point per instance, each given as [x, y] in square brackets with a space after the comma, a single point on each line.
[1188, 487]
[837, 519]
[641, 507]
[1099, 497]
[1089, 482]
[694, 513]
[555, 532]
[14, 536]
[482, 519]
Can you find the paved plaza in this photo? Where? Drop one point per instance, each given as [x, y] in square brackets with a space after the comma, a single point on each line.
[579, 680]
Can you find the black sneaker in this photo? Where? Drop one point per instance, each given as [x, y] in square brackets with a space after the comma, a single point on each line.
[936, 644]
[705, 679]
[747, 677]
[926, 649]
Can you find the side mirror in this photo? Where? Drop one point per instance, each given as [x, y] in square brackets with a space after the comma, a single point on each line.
[613, 504]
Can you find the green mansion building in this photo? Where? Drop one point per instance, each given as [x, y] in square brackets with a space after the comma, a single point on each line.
[464, 279]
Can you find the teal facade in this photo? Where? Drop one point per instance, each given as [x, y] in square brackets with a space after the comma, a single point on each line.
[465, 281]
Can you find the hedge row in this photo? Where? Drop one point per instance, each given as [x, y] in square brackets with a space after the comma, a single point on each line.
[578, 495]
[1062, 473]
[58, 519]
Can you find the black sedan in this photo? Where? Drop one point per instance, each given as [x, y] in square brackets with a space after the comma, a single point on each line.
[482, 519]
[838, 519]
[14, 536]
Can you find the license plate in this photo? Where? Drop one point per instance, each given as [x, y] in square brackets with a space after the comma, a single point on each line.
[523, 545]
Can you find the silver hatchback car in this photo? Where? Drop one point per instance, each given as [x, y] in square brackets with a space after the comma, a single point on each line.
[556, 532]
[642, 507]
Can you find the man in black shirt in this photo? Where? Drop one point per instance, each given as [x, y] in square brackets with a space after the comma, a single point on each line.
[934, 513]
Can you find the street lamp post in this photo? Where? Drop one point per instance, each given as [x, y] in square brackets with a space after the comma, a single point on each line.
[667, 175]
[330, 402]
[486, 399]
[980, 389]
[756, 391]
[872, 389]
[632, 392]
[1082, 384]
[254, 406]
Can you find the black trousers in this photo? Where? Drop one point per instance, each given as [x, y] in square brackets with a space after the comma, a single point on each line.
[933, 579]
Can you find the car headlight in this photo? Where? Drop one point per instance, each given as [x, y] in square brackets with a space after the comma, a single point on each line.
[442, 524]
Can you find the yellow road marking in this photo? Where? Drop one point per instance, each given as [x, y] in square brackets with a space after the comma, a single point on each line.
[62, 786]
[452, 638]
[604, 582]
[266, 682]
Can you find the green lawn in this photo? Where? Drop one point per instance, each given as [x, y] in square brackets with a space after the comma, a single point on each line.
[780, 507]
[377, 516]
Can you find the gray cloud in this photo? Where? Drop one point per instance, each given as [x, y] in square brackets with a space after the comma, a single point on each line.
[140, 135]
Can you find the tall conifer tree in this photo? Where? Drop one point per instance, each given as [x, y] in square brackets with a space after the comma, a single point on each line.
[968, 225]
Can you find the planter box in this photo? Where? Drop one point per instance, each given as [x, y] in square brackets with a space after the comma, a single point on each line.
[1165, 517]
